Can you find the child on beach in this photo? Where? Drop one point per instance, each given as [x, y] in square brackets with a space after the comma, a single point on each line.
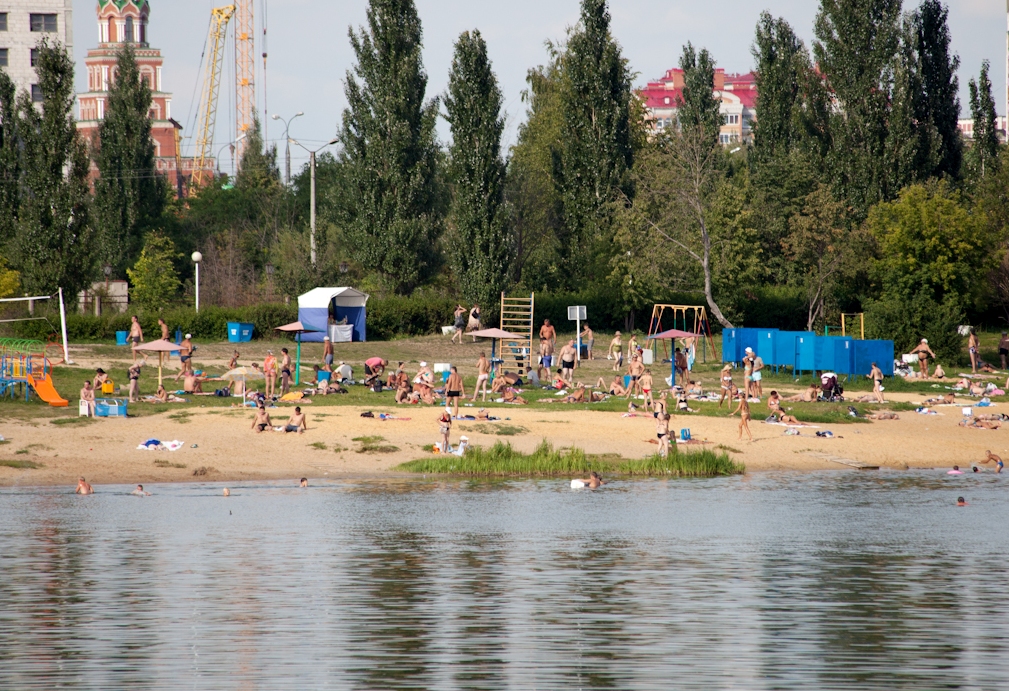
[744, 415]
[646, 387]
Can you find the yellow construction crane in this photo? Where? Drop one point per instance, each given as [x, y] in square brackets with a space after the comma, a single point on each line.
[245, 68]
[207, 114]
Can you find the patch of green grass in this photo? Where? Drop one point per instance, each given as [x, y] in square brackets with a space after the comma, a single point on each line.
[168, 464]
[372, 444]
[499, 430]
[901, 407]
[368, 439]
[21, 465]
[181, 416]
[723, 447]
[502, 460]
[321, 446]
[21, 451]
[339, 449]
[74, 420]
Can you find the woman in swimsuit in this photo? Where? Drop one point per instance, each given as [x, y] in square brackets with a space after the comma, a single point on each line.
[270, 371]
[617, 352]
[445, 428]
[744, 415]
[726, 385]
[134, 374]
[662, 432]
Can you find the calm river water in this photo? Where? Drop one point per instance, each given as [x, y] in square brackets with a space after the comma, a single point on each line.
[771, 581]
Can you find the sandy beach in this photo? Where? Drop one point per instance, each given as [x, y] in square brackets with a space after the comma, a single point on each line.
[105, 450]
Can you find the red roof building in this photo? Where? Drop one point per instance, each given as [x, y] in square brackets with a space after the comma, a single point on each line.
[737, 94]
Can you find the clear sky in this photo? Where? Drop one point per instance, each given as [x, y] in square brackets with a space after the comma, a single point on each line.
[309, 53]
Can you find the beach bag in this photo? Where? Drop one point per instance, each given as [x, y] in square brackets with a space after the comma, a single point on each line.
[377, 386]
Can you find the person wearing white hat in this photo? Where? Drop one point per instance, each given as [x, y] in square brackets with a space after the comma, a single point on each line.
[327, 350]
[923, 352]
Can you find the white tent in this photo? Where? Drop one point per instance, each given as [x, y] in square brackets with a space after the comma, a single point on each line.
[319, 304]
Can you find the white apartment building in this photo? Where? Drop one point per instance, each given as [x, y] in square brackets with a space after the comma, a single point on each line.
[23, 23]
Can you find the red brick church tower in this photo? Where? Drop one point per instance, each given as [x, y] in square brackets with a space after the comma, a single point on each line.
[121, 22]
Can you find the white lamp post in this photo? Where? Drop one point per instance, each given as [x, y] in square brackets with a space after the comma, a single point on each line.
[311, 161]
[197, 258]
[287, 136]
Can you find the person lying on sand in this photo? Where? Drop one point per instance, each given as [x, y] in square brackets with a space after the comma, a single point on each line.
[83, 487]
[948, 399]
[992, 458]
[593, 481]
[882, 415]
[808, 396]
[774, 405]
[261, 423]
[868, 398]
[695, 389]
[978, 423]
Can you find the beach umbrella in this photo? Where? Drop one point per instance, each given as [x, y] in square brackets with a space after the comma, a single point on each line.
[672, 334]
[160, 346]
[496, 335]
[297, 328]
[243, 374]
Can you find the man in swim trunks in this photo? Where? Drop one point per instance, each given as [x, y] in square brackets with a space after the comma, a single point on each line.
[567, 356]
[876, 374]
[83, 487]
[548, 333]
[186, 355]
[1003, 348]
[327, 350]
[546, 358]
[136, 336]
[635, 370]
[261, 423]
[88, 396]
[285, 371]
[616, 351]
[757, 375]
[588, 340]
[680, 364]
[298, 422]
[990, 457]
[482, 376]
[454, 390]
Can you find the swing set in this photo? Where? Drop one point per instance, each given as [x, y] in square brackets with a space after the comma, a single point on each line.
[689, 318]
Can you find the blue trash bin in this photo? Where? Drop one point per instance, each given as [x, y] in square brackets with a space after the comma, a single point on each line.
[239, 332]
[122, 338]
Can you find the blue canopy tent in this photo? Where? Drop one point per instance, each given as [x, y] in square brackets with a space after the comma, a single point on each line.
[321, 309]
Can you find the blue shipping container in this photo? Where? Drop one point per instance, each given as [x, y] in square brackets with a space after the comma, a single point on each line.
[239, 332]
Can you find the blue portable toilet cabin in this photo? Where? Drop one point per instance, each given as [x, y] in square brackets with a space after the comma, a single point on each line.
[785, 347]
[843, 354]
[805, 352]
[765, 345]
[868, 352]
[318, 306]
[736, 341]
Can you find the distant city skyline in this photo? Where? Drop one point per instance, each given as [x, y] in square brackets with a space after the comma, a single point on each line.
[309, 52]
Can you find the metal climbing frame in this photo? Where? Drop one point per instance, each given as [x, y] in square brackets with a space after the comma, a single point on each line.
[517, 318]
[694, 319]
[19, 358]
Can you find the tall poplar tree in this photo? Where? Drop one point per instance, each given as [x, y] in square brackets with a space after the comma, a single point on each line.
[856, 46]
[53, 244]
[984, 154]
[597, 148]
[939, 84]
[782, 61]
[698, 109]
[10, 158]
[390, 211]
[480, 247]
[129, 193]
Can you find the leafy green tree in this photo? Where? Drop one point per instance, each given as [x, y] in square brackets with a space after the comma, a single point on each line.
[257, 168]
[698, 109]
[596, 150]
[10, 158]
[10, 280]
[939, 84]
[392, 211]
[129, 193]
[929, 241]
[984, 153]
[53, 244]
[154, 280]
[533, 199]
[782, 62]
[480, 245]
[857, 43]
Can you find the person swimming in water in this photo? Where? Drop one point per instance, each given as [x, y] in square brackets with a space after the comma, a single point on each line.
[227, 492]
[304, 482]
[594, 481]
[956, 471]
[83, 487]
[960, 501]
[139, 492]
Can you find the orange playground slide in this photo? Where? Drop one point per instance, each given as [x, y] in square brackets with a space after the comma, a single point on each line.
[47, 392]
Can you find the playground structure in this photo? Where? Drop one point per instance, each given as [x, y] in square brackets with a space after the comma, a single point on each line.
[845, 322]
[24, 367]
[694, 319]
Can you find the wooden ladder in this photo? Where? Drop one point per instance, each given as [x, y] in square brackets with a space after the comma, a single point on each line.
[517, 318]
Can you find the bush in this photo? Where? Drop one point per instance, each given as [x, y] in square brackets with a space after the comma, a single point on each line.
[906, 322]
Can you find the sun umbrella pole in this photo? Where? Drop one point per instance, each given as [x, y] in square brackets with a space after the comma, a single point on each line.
[160, 356]
[297, 368]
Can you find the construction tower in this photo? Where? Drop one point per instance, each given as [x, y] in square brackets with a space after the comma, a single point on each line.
[207, 114]
[517, 318]
[245, 70]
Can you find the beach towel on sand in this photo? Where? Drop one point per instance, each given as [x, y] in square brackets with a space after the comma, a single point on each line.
[156, 445]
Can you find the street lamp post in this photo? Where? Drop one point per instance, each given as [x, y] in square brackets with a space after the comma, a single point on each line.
[232, 146]
[287, 137]
[311, 161]
[197, 258]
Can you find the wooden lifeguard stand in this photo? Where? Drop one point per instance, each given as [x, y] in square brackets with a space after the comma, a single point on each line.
[692, 318]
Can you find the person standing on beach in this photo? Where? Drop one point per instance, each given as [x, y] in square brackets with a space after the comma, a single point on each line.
[185, 355]
[757, 376]
[632, 345]
[164, 329]
[635, 370]
[567, 357]
[459, 323]
[646, 388]
[83, 487]
[972, 349]
[748, 372]
[285, 371]
[989, 457]
[134, 375]
[445, 428]
[923, 352]
[327, 351]
[454, 390]
[726, 384]
[546, 358]
[474, 320]
[548, 333]
[1003, 348]
[270, 372]
[662, 432]
[588, 339]
[136, 337]
[234, 361]
[744, 415]
[482, 377]
[876, 374]
[616, 351]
